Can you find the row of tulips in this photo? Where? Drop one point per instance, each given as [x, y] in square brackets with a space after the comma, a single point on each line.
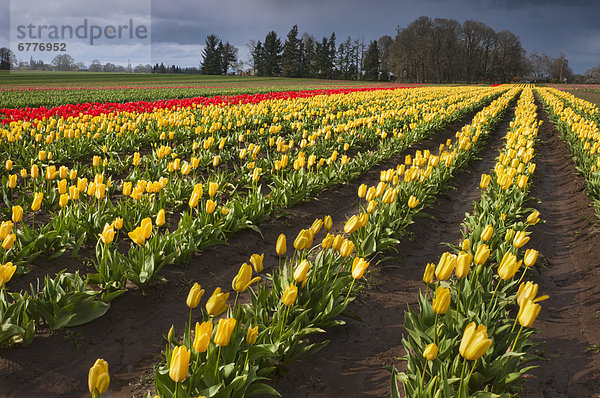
[578, 120]
[307, 291]
[463, 340]
[153, 243]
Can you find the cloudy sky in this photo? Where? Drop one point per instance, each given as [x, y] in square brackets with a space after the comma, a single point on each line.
[178, 27]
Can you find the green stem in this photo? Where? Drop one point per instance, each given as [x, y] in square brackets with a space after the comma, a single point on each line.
[522, 276]
[471, 372]
[457, 301]
[516, 339]
[246, 361]
[422, 379]
[494, 295]
[190, 326]
[462, 373]
[176, 389]
[435, 328]
[285, 313]
[349, 290]
[217, 363]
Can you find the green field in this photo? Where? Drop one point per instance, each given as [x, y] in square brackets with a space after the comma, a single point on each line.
[33, 89]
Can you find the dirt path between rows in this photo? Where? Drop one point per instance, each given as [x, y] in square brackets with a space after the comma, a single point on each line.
[129, 336]
[353, 364]
[570, 243]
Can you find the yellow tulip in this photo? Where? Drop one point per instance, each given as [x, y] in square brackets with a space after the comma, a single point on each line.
[17, 213]
[194, 296]
[244, 279]
[466, 245]
[413, 202]
[127, 188]
[445, 266]
[316, 226]
[108, 234]
[482, 254]
[430, 352]
[63, 200]
[487, 233]
[463, 265]
[530, 258]
[252, 335]
[508, 266]
[528, 312]
[98, 377]
[202, 336]
[160, 218]
[5, 229]
[527, 291]
[280, 247]
[224, 329]
[389, 196]
[118, 223]
[35, 171]
[289, 295]
[359, 265]
[257, 262]
[327, 241]
[510, 234]
[12, 181]
[194, 199]
[362, 190]
[362, 219]
[301, 271]
[370, 194]
[210, 206]
[302, 240]
[212, 189]
[180, 362]
[137, 236]
[37, 201]
[8, 165]
[351, 225]
[346, 248]
[8, 242]
[533, 218]
[327, 223]
[428, 274]
[520, 239]
[485, 181]
[371, 206]
[475, 342]
[217, 303]
[441, 301]
[6, 273]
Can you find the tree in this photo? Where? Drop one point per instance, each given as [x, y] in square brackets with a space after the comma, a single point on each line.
[291, 58]
[309, 57]
[228, 57]
[258, 59]
[212, 63]
[63, 62]
[371, 62]
[7, 59]
[95, 66]
[271, 55]
[559, 69]
[385, 48]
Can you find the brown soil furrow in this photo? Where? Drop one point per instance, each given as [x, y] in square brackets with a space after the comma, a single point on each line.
[570, 244]
[129, 336]
[353, 364]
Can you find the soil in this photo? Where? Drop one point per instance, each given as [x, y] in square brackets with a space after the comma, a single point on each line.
[130, 338]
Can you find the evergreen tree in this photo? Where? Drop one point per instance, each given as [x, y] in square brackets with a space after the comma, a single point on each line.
[291, 59]
[211, 56]
[272, 54]
[258, 58]
[371, 62]
[309, 56]
[228, 57]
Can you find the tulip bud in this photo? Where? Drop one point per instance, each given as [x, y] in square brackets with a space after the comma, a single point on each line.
[137, 236]
[445, 266]
[359, 265]
[412, 202]
[337, 242]
[210, 206]
[487, 233]
[217, 303]
[171, 334]
[346, 248]
[485, 181]
[202, 336]
[146, 226]
[98, 377]
[37, 201]
[441, 301]
[243, 279]
[428, 274]
[316, 226]
[327, 241]
[520, 239]
[17, 213]
[179, 365]
[508, 266]
[362, 190]
[212, 189]
[289, 295]
[118, 223]
[351, 225]
[257, 262]
[371, 206]
[430, 352]
[463, 265]
[533, 218]
[475, 342]
[280, 247]
[12, 181]
[224, 330]
[63, 200]
[302, 240]
[301, 271]
[252, 335]
[5, 229]
[327, 223]
[108, 234]
[194, 296]
[528, 312]
[530, 258]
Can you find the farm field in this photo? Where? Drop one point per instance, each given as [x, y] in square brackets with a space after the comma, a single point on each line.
[112, 213]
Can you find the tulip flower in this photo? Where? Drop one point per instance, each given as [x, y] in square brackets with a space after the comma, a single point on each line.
[463, 265]
[510, 234]
[280, 247]
[137, 236]
[520, 239]
[430, 352]
[346, 248]
[362, 219]
[6, 273]
[179, 365]
[301, 271]
[359, 265]
[362, 191]
[12, 181]
[527, 291]
[412, 202]
[351, 225]
[160, 218]
[529, 311]
[17, 213]
[98, 378]
[5, 229]
[8, 242]
[224, 330]
[217, 303]
[8, 165]
[63, 200]
[289, 295]
[194, 296]
[252, 335]
[371, 206]
[466, 245]
[37, 201]
[257, 262]
[485, 181]
[118, 223]
[533, 218]
[445, 266]
[210, 206]
[508, 266]
[428, 274]
[390, 196]
[482, 254]
[146, 226]
[194, 199]
[327, 223]
[530, 258]
[316, 226]
[475, 342]
[487, 233]
[441, 301]
[243, 279]
[108, 234]
[212, 189]
[202, 336]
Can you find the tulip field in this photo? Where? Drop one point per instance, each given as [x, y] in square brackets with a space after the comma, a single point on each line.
[208, 246]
